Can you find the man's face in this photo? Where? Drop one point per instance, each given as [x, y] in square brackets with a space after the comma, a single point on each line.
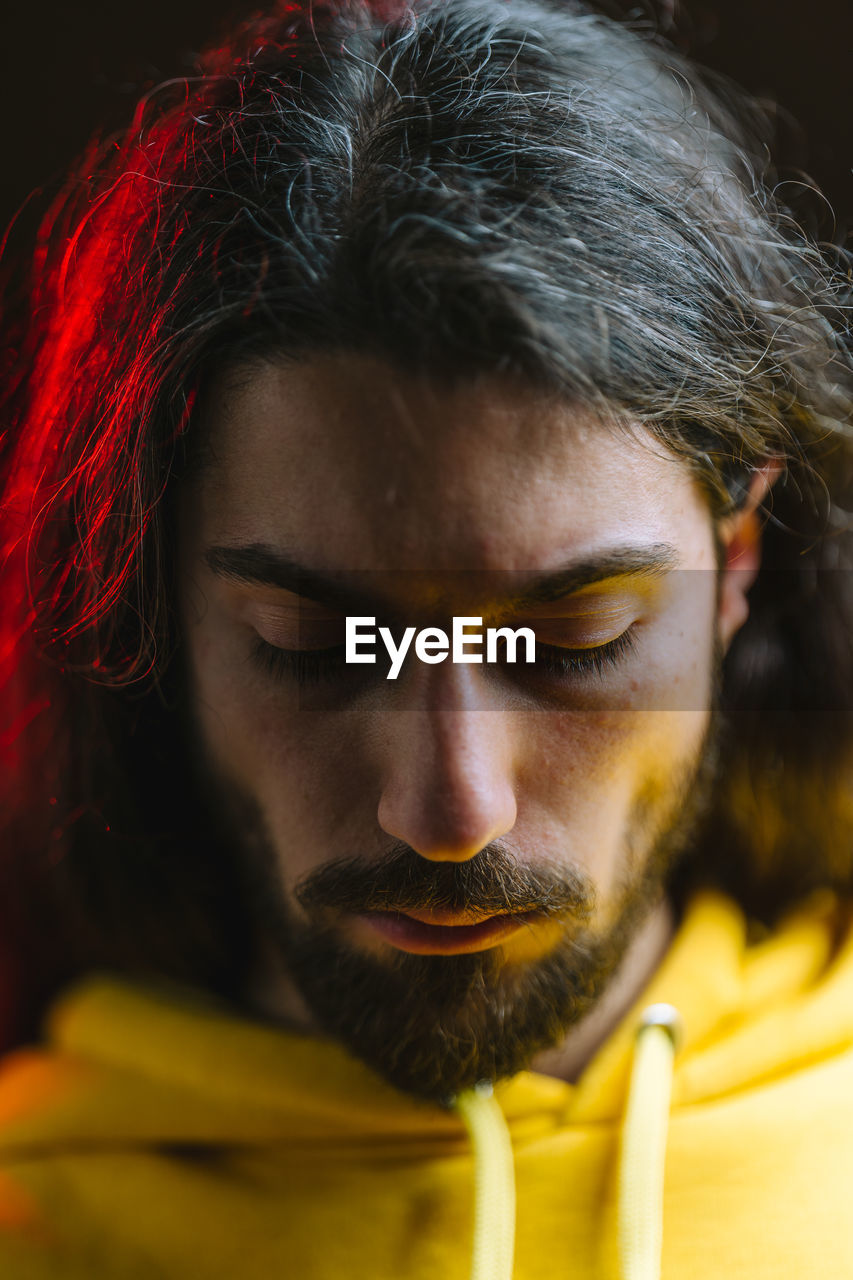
[453, 863]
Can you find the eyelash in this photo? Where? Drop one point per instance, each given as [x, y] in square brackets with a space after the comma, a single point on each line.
[305, 666]
[585, 662]
[310, 666]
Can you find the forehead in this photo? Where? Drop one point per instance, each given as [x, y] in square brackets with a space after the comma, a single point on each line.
[356, 464]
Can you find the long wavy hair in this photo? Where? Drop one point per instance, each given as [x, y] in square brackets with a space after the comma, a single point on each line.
[461, 186]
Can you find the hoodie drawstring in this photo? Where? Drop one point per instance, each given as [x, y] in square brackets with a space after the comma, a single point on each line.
[644, 1130]
[494, 1179]
[641, 1166]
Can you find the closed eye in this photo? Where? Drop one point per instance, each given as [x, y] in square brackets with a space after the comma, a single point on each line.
[310, 666]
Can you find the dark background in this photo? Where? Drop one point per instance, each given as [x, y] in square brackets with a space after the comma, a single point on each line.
[67, 69]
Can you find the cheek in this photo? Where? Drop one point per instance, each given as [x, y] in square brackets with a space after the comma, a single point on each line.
[301, 767]
[597, 786]
[589, 773]
[586, 756]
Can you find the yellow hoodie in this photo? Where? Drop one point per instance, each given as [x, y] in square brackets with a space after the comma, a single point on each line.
[155, 1135]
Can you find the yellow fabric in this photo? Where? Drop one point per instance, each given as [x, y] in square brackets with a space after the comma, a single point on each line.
[156, 1136]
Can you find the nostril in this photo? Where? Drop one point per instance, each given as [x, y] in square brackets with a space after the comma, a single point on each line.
[444, 825]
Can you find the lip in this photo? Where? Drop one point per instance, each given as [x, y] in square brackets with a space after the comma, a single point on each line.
[444, 933]
[448, 918]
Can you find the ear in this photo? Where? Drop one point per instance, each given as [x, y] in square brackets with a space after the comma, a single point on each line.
[740, 539]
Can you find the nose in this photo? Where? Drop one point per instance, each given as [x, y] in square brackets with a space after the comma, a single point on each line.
[448, 778]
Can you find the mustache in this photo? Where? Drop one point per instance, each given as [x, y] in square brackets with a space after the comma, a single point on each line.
[493, 882]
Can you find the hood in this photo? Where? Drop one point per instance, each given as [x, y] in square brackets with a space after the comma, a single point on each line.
[158, 1109]
[134, 1063]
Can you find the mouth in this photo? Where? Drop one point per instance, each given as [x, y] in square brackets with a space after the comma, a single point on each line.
[445, 933]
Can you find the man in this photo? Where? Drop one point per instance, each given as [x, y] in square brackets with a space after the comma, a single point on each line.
[460, 320]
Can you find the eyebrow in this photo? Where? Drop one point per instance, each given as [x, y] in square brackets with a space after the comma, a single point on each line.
[257, 564]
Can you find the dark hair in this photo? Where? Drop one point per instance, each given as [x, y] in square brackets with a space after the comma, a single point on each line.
[462, 187]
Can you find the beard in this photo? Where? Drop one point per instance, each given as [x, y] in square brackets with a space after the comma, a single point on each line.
[435, 1025]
